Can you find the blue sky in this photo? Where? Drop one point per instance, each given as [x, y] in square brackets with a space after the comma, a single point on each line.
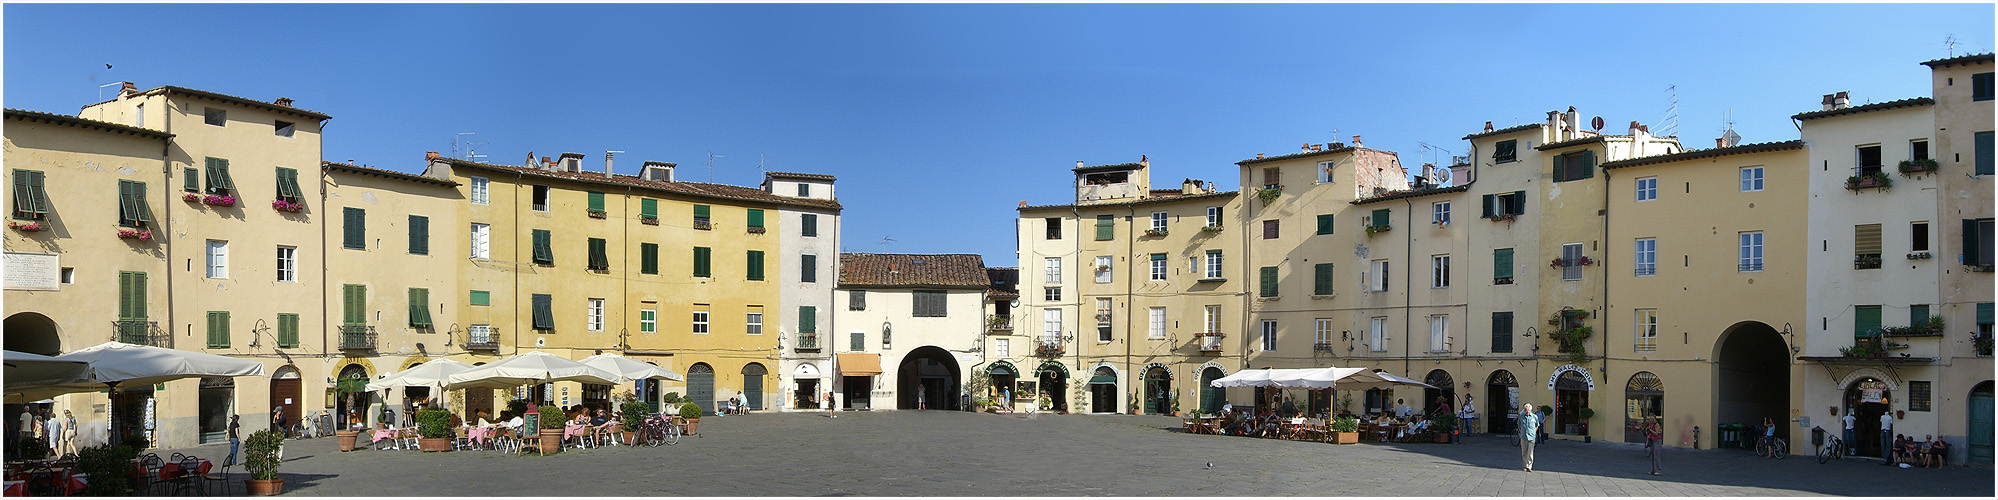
[939, 119]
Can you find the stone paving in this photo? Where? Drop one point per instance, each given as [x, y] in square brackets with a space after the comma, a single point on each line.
[936, 453]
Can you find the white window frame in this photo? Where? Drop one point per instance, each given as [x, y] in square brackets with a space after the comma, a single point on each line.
[1193, 265]
[1377, 334]
[481, 191]
[1158, 221]
[1751, 179]
[1002, 347]
[1213, 216]
[287, 269]
[752, 323]
[1439, 333]
[1647, 330]
[1051, 324]
[140, 115]
[1105, 268]
[1158, 269]
[1750, 255]
[218, 259]
[648, 321]
[1104, 316]
[1214, 264]
[1051, 267]
[1269, 335]
[480, 334]
[595, 319]
[1377, 275]
[1647, 257]
[1439, 212]
[1323, 327]
[482, 241]
[1325, 169]
[1439, 271]
[700, 322]
[1213, 318]
[1157, 316]
[1051, 294]
[1571, 263]
[1647, 188]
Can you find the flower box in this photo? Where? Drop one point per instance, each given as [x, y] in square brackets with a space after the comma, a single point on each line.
[1867, 261]
[1372, 230]
[599, 214]
[1918, 255]
[27, 227]
[1872, 180]
[136, 234]
[1912, 167]
[287, 206]
[1503, 218]
[1210, 229]
[219, 200]
[1584, 261]
[756, 229]
[649, 221]
[1155, 232]
[191, 198]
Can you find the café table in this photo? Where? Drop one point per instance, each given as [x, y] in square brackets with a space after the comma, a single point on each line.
[16, 488]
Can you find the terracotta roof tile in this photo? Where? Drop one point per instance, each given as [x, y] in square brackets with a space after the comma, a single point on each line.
[1005, 282]
[22, 114]
[1878, 106]
[1292, 156]
[1962, 59]
[339, 167]
[901, 269]
[696, 189]
[1413, 193]
[1760, 147]
[241, 101]
[1174, 196]
[798, 175]
[1507, 130]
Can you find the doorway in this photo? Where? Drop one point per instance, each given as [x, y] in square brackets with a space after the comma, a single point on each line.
[1158, 391]
[1752, 377]
[1103, 391]
[1502, 402]
[350, 406]
[1643, 397]
[1980, 423]
[931, 374]
[1868, 398]
[1434, 400]
[1211, 397]
[854, 392]
[701, 387]
[1054, 386]
[1571, 395]
[752, 385]
[287, 396]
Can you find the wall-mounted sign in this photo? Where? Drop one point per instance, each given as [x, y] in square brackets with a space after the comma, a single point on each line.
[33, 271]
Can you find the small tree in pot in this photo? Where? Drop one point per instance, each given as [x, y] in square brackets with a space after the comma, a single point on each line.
[433, 429]
[260, 457]
[1345, 430]
[552, 421]
[692, 414]
[634, 418]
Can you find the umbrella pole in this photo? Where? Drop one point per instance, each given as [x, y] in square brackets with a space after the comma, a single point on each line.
[111, 409]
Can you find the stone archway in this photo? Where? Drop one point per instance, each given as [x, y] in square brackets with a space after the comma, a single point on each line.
[1643, 396]
[287, 396]
[1103, 390]
[1445, 392]
[929, 373]
[33, 333]
[1158, 394]
[1211, 397]
[752, 385]
[1501, 402]
[1752, 376]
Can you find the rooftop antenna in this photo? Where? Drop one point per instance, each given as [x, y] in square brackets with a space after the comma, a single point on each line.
[100, 95]
[711, 165]
[760, 158]
[468, 146]
[1670, 127]
[1949, 42]
[884, 242]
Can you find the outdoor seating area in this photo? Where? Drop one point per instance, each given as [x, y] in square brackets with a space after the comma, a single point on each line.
[1274, 421]
[151, 475]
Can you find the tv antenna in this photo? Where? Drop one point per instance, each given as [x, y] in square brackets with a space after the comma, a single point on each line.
[711, 164]
[760, 159]
[1670, 127]
[1949, 42]
[884, 242]
[467, 147]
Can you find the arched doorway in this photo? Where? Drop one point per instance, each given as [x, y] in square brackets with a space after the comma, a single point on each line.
[215, 400]
[1502, 402]
[1158, 390]
[350, 404]
[1445, 392]
[1103, 390]
[701, 386]
[287, 396]
[805, 393]
[33, 333]
[1054, 386]
[1752, 377]
[1571, 395]
[1211, 397]
[1868, 398]
[1980, 423]
[931, 373]
[481, 400]
[1002, 375]
[1643, 397]
[752, 385]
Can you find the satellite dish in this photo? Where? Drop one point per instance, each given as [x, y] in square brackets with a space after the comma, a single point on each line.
[1015, 303]
[1442, 176]
[1596, 123]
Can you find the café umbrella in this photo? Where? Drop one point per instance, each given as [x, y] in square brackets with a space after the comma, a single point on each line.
[429, 374]
[33, 376]
[116, 363]
[532, 367]
[628, 369]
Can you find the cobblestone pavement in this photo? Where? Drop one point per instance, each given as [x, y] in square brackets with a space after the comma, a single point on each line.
[935, 453]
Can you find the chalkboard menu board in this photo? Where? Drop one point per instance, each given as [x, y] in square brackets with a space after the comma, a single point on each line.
[533, 423]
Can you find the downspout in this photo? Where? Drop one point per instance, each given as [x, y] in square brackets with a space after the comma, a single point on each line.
[1131, 245]
[624, 327]
[1602, 314]
[166, 164]
[1077, 211]
[517, 179]
[1248, 299]
[1407, 289]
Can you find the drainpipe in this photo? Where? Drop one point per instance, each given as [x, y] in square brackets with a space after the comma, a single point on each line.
[517, 179]
[166, 236]
[1407, 289]
[1601, 314]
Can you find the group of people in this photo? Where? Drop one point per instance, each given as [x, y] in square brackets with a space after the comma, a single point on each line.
[58, 434]
[1926, 452]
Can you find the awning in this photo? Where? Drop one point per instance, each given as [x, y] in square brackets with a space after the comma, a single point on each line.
[859, 364]
[1000, 369]
[1052, 368]
[1103, 379]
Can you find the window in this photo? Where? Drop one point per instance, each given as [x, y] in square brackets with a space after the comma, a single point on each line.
[287, 185]
[1647, 330]
[856, 300]
[1918, 149]
[1502, 266]
[1324, 224]
[1053, 225]
[1976, 243]
[1439, 213]
[1269, 335]
[287, 330]
[1571, 262]
[544, 247]
[1867, 159]
[1321, 278]
[701, 218]
[752, 322]
[1272, 178]
[1325, 172]
[419, 235]
[1980, 87]
[1159, 221]
[419, 308]
[190, 179]
[1051, 324]
[1377, 334]
[218, 259]
[808, 320]
[1002, 347]
[31, 199]
[808, 268]
[218, 178]
[354, 304]
[595, 320]
[354, 228]
[1751, 179]
[1647, 187]
[1213, 319]
[1158, 267]
[1503, 204]
[1193, 265]
[1506, 151]
[701, 319]
[1051, 270]
[132, 208]
[131, 295]
[140, 113]
[1866, 246]
[1920, 392]
[1647, 256]
[857, 341]
[69, 276]
[1323, 341]
[213, 116]
[648, 258]
[1214, 264]
[755, 220]
[481, 334]
[481, 191]
[482, 241]
[287, 264]
[1377, 274]
[1866, 324]
[285, 129]
[481, 298]
[218, 329]
[1439, 334]
[930, 304]
[755, 265]
[1918, 237]
[1502, 331]
[1751, 251]
[1103, 269]
[544, 311]
[1918, 315]
[1051, 294]
[1157, 316]
[703, 262]
[540, 198]
[804, 190]
[1270, 229]
[1575, 166]
[1103, 318]
[1983, 154]
[1439, 271]
[648, 212]
[1378, 220]
[808, 224]
[1213, 216]
[1105, 227]
[1268, 283]
[648, 321]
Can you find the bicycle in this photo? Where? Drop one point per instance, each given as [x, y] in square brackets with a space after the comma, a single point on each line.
[659, 429]
[1772, 447]
[1833, 449]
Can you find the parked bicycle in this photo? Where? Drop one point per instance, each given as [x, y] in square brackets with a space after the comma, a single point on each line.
[1833, 449]
[660, 429]
[1772, 447]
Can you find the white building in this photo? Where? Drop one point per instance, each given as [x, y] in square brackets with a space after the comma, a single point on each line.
[909, 327]
[810, 257]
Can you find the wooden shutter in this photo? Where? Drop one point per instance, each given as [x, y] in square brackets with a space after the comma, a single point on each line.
[756, 265]
[1984, 313]
[702, 262]
[1518, 202]
[1489, 210]
[1502, 263]
[1325, 224]
[1983, 154]
[808, 271]
[419, 307]
[127, 215]
[1269, 281]
[1321, 279]
[648, 208]
[544, 316]
[810, 224]
[856, 300]
[1866, 239]
[35, 193]
[1866, 321]
[144, 211]
[287, 330]
[287, 185]
[1970, 236]
[1918, 315]
[599, 256]
[218, 329]
[131, 295]
[648, 258]
[21, 191]
[1588, 165]
[544, 249]
[700, 211]
[354, 229]
[355, 310]
[1380, 218]
[1271, 176]
[190, 180]
[808, 321]
[596, 201]
[1560, 168]
[481, 298]
[1105, 227]
[1270, 229]
[1502, 332]
[1506, 151]
[755, 217]
[419, 235]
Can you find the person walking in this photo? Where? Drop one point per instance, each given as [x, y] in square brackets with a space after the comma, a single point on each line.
[831, 408]
[1006, 399]
[1654, 438]
[52, 431]
[1851, 445]
[1529, 431]
[922, 402]
[1887, 437]
[27, 430]
[69, 432]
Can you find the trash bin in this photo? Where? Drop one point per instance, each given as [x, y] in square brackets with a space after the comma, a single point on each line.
[1817, 437]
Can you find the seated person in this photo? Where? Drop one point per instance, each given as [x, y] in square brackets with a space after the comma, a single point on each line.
[603, 425]
[1923, 449]
[1421, 425]
[1910, 451]
[1939, 453]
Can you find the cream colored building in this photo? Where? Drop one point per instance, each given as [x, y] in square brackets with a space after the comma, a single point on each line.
[911, 328]
[1964, 204]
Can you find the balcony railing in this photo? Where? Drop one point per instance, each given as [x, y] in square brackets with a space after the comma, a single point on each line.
[1210, 342]
[482, 339]
[141, 332]
[1321, 346]
[1866, 261]
[808, 342]
[999, 323]
[1049, 349]
[1749, 266]
[357, 337]
[1647, 269]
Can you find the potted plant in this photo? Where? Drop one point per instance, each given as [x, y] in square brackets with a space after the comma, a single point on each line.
[1269, 194]
[1345, 430]
[348, 388]
[551, 429]
[634, 418]
[692, 414]
[1175, 403]
[433, 430]
[287, 206]
[1586, 413]
[1911, 167]
[109, 468]
[1210, 229]
[260, 457]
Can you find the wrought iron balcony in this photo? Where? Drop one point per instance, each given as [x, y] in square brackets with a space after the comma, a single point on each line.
[482, 339]
[807, 342]
[1321, 346]
[357, 337]
[1210, 342]
[141, 332]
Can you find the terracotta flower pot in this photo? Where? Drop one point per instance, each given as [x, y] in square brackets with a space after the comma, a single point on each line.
[1442, 438]
[1345, 437]
[693, 424]
[551, 441]
[433, 444]
[630, 437]
[263, 487]
[347, 439]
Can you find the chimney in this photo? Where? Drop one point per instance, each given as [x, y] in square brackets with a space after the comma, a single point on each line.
[1554, 126]
[1488, 126]
[1356, 141]
[129, 89]
[1078, 164]
[1023, 203]
[1317, 147]
[657, 171]
[1720, 142]
[1306, 148]
[1259, 156]
[282, 101]
[1189, 186]
[1841, 101]
[1574, 123]
[547, 164]
[607, 163]
[1145, 160]
[571, 162]
[1829, 99]
[430, 156]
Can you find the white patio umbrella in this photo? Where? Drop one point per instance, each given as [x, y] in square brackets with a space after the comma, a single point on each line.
[1315, 378]
[117, 363]
[32, 377]
[1250, 378]
[628, 369]
[434, 373]
[1377, 380]
[531, 367]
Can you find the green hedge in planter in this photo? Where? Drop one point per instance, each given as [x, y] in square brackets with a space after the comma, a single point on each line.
[634, 415]
[109, 467]
[690, 410]
[1346, 424]
[552, 417]
[260, 454]
[433, 423]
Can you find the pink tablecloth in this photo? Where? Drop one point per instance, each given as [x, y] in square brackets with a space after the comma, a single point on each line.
[570, 431]
[17, 488]
[479, 434]
[381, 434]
[172, 470]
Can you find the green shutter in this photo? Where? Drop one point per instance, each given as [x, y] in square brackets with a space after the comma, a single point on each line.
[1321, 279]
[419, 307]
[703, 262]
[1105, 227]
[218, 177]
[131, 295]
[599, 256]
[132, 208]
[1983, 312]
[648, 208]
[126, 214]
[808, 321]
[1380, 218]
[190, 180]
[419, 235]
[30, 198]
[1502, 263]
[287, 185]
[1489, 200]
[355, 309]
[1969, 235]
[756, 265]
[145, 211]
[1560, 167]
[287, 330]
[1918, 315]
[596, 201]
[808, 268]
[218, 329]
[700, 211]
[1588, 163]
[648, 258]
[544, 315]
[1866, 322]
[1269, 282]
[544, 250]
[809, 225]
[482, 298]
[1325, 224]
[356, 230]
[1518, 202]
[755, 217]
